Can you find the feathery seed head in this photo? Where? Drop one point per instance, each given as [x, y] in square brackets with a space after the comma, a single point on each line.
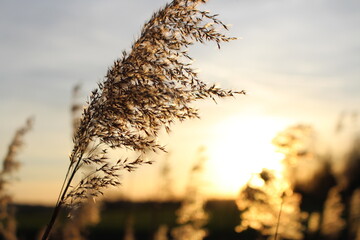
[147, 89]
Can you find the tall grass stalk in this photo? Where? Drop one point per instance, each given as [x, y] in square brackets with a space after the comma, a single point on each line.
[88, 214]
[191, 216]
[10, 165]
[143, 92]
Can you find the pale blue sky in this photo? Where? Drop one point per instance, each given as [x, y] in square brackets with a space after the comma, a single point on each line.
[298, 59]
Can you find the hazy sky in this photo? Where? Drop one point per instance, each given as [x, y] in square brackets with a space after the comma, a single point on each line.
[298, 60]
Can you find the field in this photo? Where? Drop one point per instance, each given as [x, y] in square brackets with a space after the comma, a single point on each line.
[147, 217]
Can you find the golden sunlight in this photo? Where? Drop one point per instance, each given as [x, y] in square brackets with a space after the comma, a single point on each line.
[241, 148]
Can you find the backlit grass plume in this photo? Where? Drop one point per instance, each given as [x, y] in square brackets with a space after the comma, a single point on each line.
[146, 90]
[268, 205]
[332, 222]
[10, 165]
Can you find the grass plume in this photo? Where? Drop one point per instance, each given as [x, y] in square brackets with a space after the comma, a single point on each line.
[10, 165]
[268, 205]
[269, 202]
[332, 223]
[146, 90]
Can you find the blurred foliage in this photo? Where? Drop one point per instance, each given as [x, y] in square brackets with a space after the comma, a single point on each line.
[328, 195]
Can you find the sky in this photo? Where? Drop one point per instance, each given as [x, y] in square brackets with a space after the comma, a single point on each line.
[298, 60]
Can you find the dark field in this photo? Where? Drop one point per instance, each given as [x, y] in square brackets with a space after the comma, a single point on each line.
[147, 217]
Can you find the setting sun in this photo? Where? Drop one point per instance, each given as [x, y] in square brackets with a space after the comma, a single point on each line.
[242, 147]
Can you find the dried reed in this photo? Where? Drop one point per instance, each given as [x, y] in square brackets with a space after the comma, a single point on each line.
[355, 215]
[270, 208]
[332, 223]
[191, 216]
[146, 90]
[341, 207]
[10, 165]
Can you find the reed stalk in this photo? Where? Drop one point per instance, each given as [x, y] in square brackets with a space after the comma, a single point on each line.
[9, 166]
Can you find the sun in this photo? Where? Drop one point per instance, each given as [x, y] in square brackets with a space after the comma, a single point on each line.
[240, 148]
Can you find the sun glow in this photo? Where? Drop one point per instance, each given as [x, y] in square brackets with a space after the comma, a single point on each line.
[241, 148]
